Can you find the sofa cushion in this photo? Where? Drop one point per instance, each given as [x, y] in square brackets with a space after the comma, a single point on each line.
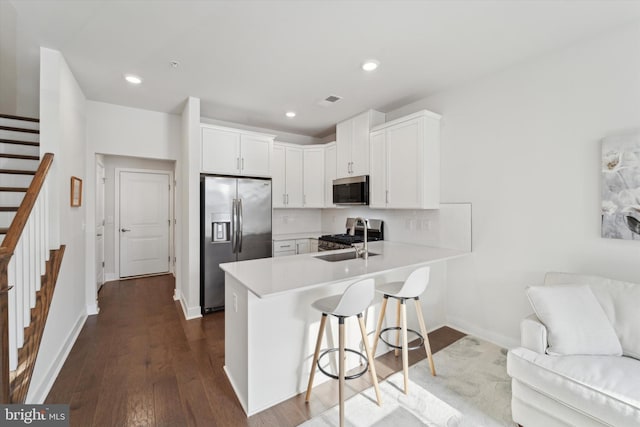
[620, 301]
[605, 387]
[575, 321]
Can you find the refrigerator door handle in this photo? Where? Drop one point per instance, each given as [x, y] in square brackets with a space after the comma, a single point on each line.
[234, 225]
[240, 225]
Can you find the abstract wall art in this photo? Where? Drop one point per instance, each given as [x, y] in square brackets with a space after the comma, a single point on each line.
[621, 187]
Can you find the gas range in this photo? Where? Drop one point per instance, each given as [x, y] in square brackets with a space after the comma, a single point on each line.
[331, 242]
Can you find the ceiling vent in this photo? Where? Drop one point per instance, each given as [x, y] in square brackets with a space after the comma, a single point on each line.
[329, 100]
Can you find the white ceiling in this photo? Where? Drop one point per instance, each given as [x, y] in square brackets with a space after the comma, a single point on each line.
[250, 61]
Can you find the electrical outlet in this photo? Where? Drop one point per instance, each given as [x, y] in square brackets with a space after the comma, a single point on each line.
[235, 303]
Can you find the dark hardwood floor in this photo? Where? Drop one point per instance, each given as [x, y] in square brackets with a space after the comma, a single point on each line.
[140, 363]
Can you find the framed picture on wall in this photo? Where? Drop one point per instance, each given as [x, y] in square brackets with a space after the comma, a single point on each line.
[76, 192]
[621, 187]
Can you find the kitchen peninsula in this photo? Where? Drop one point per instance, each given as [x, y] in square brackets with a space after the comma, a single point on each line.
[270, 327]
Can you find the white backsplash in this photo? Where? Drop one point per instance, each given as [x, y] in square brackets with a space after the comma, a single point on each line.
[449, 226]
[287, 221]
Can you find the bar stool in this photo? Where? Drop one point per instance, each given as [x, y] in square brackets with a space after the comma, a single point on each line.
[355, 299]
[411, 288]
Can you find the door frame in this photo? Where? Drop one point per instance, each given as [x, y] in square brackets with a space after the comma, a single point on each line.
[100, 164]
[172, 218]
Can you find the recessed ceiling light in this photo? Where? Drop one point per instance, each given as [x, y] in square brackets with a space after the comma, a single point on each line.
[290, 114]
[133, 79]
[370, 65]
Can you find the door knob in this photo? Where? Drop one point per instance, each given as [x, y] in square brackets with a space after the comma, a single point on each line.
[124, 230]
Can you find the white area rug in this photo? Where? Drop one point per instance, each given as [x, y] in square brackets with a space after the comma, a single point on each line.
[471, 388]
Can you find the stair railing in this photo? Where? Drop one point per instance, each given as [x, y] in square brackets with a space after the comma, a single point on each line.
[24, 272]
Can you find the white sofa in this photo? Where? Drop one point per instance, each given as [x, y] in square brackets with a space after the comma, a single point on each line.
[580, 390]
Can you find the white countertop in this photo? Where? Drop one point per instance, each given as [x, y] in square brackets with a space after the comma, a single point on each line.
[273, 276]
[294, 236]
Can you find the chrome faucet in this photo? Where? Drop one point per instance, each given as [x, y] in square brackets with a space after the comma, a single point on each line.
[364, 251]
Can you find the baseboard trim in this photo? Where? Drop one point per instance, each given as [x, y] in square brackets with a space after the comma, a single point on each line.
[485, 334]
[188, 312]
[93, 309]
[38, 393]
[110, 277]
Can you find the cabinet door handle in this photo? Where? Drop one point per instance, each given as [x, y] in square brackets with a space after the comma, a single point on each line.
[304, 199]
[287, 198]
[242, 168]
[284, 199]
[238, 163]
[386, 196]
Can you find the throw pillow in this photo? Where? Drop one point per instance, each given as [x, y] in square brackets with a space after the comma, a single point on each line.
[575, 321]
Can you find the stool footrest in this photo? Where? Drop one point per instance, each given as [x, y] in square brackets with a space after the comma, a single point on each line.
[398, 328]
[347, 377]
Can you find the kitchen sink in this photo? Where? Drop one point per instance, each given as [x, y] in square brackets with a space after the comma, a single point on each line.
[341, 256]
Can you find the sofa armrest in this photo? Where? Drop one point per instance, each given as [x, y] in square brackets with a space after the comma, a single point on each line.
[533, 334]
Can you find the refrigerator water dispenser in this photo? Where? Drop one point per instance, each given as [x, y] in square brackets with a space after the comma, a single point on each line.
[220, 228]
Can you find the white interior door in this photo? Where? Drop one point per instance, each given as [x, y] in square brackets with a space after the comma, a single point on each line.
[144, 223]
[100, 175]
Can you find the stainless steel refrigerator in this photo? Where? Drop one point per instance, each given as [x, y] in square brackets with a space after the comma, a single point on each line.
[235, 226]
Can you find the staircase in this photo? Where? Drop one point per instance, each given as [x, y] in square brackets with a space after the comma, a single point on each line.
[19, 158]
[28, 268]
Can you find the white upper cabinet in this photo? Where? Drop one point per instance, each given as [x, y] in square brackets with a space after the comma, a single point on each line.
[352, 142]
[329, 173]
[378, 170]
[255, 157]
[287, 180]
[235, 152]
[220, 151]
[405, 163]
[314, 181]
[279, 176]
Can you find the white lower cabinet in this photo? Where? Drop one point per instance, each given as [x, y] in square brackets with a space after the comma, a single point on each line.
[294, 247]
[302, 246]
[284, 247]
[405, 163]
[313, 245]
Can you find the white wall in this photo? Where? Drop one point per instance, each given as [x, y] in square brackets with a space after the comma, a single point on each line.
[296, 221]
[112, 271]
[447, 227]
[8, 68]
[524, 147]
[188, 287]
[122, 131]
[125, 131]
[19, 59]
[63, 124]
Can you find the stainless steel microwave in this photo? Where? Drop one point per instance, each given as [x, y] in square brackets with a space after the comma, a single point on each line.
[351, 191]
